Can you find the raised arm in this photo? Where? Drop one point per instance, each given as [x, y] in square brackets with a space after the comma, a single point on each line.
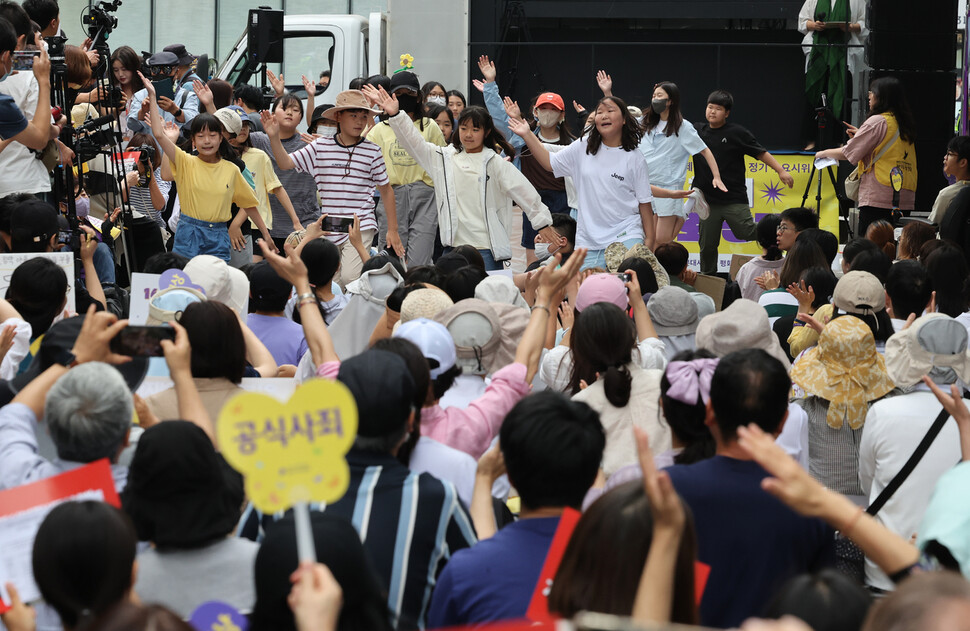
[178, 356]
[655, 593]
[311, 92]
[493, 101]
[641, 317]
[795, 487]
[539, 152]
[91, 281]
[204, 94]
[605, 83]
[423, 152]
[37, 133]
[272, 130]
[314, 328]
[552, 280]
[168, 146]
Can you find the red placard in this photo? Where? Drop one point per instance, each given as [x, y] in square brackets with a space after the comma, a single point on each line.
[57, 489]
[539, 606]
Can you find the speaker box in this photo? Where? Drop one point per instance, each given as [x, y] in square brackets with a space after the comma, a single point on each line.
[911, 51]
[265, 36]
[931, 97]
[933, 16]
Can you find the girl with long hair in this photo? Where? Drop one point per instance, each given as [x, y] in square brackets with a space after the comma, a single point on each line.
[474, 186]
[668, 143]
[208, 184]
[882, 144]
[611, 178]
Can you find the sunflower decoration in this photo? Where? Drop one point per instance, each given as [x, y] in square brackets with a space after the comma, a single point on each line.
[407, 63]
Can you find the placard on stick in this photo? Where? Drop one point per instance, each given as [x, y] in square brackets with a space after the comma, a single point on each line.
[292, 453]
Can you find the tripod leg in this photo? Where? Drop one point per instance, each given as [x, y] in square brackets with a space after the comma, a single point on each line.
[808, 185]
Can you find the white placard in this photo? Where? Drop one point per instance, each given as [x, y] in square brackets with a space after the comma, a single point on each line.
[64, 260]
[143, 287]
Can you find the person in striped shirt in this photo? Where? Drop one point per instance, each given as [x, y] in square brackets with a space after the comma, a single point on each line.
[347, 168]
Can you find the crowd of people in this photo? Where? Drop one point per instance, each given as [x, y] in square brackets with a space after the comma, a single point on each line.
[792, 456]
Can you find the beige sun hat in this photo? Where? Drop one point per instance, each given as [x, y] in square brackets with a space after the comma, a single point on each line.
[350, 100]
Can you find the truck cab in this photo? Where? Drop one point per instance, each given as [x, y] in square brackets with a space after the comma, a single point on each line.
[312, 44]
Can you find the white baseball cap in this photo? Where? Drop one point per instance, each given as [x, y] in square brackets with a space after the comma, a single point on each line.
[433, 339]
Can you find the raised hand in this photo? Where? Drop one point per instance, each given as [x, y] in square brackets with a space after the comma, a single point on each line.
[512, 108]
[479, 85]
[290, 267]
[203, 92]
[309, 86]
[270, 124]
[381, 98]
[171, 130]
[88, 244]
[488, 68]
[519, 127]
[149, 87]
[277, 82]
[805, 297]
[605, 82]
[578, 107]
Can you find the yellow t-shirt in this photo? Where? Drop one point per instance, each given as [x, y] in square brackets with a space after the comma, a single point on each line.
[266, 181]
[207, 191]
[401, 167]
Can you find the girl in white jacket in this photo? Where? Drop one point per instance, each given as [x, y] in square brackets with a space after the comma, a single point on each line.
[474, 186]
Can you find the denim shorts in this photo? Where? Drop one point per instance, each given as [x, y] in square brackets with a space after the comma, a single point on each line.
[194, 236]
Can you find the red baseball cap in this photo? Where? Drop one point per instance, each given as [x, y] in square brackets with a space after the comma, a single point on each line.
[551, 98]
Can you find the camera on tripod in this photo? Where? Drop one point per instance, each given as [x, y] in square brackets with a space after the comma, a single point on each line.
[98, 17]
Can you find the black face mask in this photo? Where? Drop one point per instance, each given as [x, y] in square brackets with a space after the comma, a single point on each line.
[408, 103]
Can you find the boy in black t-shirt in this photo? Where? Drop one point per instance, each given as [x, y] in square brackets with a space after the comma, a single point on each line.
[729, 143]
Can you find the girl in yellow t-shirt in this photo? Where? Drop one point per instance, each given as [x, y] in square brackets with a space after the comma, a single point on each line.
[208, 184]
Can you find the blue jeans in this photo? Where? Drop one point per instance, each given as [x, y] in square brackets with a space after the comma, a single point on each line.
[194, 237]
[597, 258]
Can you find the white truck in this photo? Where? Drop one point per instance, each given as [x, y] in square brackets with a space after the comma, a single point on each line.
[433, 32]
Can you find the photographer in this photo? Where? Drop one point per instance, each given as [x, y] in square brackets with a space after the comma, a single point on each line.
[22, 171]
[147, 191]
[13, 125]
[180, 110]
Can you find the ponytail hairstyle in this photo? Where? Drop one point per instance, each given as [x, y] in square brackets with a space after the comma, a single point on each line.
[686, 420]
[480, 117]
[767, 235]
[208, 122]
[632, 131]
[674, 118]
[602, 340]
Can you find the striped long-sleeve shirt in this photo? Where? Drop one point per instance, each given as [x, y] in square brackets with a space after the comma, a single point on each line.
[345, 177]
[410, 525]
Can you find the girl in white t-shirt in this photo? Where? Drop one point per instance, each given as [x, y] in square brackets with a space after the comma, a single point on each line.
[611, 178]
[668, 143]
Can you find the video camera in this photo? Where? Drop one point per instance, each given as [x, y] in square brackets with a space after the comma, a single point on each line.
[98, 19]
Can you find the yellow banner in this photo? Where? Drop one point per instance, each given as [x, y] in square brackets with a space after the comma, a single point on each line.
[767, 194]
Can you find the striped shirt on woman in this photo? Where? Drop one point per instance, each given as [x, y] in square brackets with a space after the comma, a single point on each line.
[410, 524]
[345, 177]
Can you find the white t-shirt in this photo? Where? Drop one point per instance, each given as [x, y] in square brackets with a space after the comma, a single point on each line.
[610, 186]
[470, 229]
[22, 171]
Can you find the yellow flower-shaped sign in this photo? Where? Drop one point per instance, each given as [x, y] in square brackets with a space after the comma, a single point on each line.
[292, 452]
[407, 61]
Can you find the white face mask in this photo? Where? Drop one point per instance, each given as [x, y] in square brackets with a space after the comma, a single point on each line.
[438, 100]
[548, 118]
[542, 251]
[327, 132]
